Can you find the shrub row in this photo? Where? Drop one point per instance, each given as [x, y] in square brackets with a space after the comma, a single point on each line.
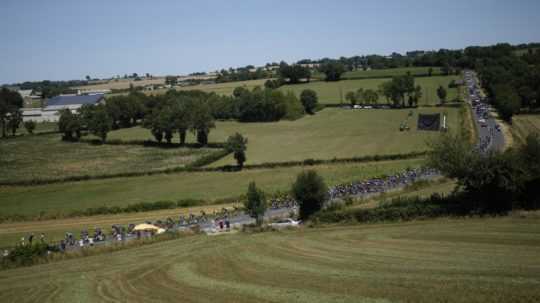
[197, 167]
[150, 143]
[210, 158]
[400, 209]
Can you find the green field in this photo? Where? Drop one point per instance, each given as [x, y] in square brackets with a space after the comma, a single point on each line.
[65, 197]
[42, 127]
[330, 133]
[331, 92]
[523, 125]
[48, 157]
[221, 88]
[445, 260]
[382, 73]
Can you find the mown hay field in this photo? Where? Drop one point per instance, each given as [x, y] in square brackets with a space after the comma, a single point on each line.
[48, 157]
[523, 125]
[226, 88]
[386, 72]
[335, 92]
[208, 186]
[444, 260]
[122, 84]
[330, 133]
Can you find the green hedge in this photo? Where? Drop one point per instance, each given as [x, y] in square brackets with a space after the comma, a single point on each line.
[400, 209]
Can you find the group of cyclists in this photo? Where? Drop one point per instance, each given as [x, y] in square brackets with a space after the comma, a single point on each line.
[222, 218]
[380, 185]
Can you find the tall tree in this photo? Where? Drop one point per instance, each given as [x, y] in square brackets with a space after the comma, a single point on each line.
[255, 204]
[309, 100]
[69, 124]
[14, 120]
[202, 121]
[310, 191]
[237, 145]
[371, 96]
[99, 123]
[351, 97]
[441, 93]
[10, 103]
[333, 70]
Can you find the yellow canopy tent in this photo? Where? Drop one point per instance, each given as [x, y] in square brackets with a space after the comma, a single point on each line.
[146, 227]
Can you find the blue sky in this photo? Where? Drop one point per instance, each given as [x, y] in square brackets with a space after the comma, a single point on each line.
[70, 39]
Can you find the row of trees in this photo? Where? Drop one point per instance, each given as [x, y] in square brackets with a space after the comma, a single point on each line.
[401, 90]
[512, 82]
[362, 96]
[95, 119]
[185, 111]
[243, 74]
[257, 105]
[164, 115]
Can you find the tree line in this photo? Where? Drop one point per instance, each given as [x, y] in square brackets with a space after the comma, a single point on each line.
[183, 112]
[495, 182]
[401, 91]
[258, 105]
[512, 82]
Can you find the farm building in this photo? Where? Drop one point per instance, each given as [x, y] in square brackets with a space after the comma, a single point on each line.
[55, 104]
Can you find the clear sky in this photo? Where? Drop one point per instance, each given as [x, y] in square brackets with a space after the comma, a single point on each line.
[69, 39]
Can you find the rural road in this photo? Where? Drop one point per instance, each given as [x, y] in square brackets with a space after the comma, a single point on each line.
[489, 132]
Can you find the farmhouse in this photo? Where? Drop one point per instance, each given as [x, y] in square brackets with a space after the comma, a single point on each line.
[55, 104]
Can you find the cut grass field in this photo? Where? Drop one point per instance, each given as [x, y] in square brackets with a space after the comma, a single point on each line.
[47, 157]
[332, 92]
[382, 73]
[209, 186]
[330, 133]
[41, 127]
[523, 125]
[218, 88]
[445, 260]
[122, 84]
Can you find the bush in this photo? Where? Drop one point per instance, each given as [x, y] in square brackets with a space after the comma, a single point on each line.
[30, 126]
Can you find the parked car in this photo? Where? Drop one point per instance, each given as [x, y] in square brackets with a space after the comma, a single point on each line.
[285, 223]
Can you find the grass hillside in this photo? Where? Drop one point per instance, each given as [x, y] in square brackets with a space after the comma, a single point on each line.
[48, 157]
[66, 197]
[329, 133]
[473, 260]
[330, 92]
